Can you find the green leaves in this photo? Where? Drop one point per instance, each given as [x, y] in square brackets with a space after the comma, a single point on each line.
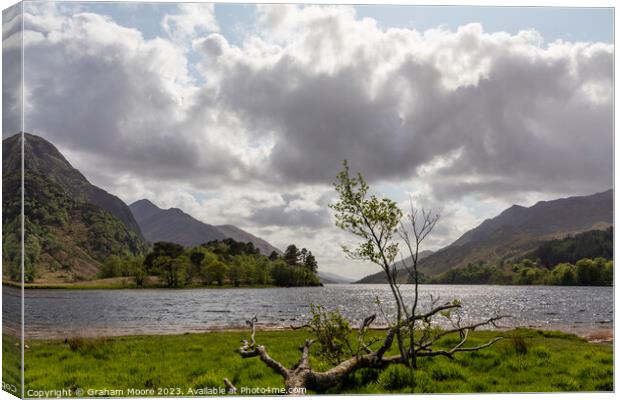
[332, 332]
[372, 219]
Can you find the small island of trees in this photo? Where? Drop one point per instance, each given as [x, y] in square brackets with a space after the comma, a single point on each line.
[216, 263]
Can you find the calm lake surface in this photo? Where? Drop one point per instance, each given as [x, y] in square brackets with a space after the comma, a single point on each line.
[65, 313]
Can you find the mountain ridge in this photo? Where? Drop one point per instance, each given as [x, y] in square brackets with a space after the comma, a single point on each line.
[331, 278]
[71, 226]
[517, 230]
[45, 156]
[379, 277]
[177, 226]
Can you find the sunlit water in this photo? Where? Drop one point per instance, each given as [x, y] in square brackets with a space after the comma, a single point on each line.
[64, 313]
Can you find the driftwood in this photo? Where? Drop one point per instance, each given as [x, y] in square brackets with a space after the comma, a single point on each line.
[301, 375]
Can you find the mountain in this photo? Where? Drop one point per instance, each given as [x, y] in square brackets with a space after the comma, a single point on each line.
[328, 277]
[379, 277]
[42, 156]
[174, 225]
[240, 235]
[71, 226]
[519, 230]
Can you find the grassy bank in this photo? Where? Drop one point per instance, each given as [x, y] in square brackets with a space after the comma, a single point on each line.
[527, 361]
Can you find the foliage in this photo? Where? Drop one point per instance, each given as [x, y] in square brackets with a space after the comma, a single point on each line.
[375, 221]
[586, 272]
[591, 244]
[213, 263]
[372, 219]
[59, 229]
[291, 255]
[332, 332]
[230, 247]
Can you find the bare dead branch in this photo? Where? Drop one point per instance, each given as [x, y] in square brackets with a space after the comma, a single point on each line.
[450, 353]
[250, 349]
[446, 306]
[362, 330]
[231, 388]
[305, 355]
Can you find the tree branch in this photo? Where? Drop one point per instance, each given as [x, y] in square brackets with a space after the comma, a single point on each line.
[449, 353]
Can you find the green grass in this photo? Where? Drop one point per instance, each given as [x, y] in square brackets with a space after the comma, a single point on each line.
[11, 364]
[535, 361]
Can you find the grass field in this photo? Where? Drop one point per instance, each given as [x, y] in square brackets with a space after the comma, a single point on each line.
[526, 361]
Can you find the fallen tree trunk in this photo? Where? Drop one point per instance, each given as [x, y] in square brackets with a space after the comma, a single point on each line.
[301, 377]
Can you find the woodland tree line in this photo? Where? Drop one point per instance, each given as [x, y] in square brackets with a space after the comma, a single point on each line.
[585, 259]
[219, 262]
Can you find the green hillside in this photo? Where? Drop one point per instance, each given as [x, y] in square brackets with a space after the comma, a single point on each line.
[517, 232]
[71, 226]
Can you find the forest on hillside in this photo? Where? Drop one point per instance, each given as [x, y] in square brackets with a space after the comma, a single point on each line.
[585, 259]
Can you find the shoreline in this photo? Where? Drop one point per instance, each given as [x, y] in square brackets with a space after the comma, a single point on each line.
[596, 335]
[100, 284]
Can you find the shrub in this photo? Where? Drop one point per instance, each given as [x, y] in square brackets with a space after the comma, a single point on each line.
[519, 344]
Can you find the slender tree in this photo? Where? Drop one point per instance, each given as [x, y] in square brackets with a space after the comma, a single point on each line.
[376, 221]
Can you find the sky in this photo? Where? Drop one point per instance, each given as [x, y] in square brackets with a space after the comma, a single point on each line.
[242, 114]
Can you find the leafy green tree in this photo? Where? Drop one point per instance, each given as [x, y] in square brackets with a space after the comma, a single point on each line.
[262, 271]
[291, 255]
[32, 250]
[216, 272]
[167, 249]
[310, 262]
[607, 273]
[282, 274]
[111, 267]
[303, 253]
[274, 256]
[237, 271]
[172, 270]
[207, 259]
[375, 221]
[588, 272]
[138, 271]
[11, 254]
[564, 274]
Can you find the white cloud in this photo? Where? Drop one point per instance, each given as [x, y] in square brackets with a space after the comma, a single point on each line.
[191, 19]
[465, 119]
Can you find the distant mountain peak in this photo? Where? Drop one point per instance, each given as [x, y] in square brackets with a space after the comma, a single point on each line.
[177, 226]
[144, 203]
